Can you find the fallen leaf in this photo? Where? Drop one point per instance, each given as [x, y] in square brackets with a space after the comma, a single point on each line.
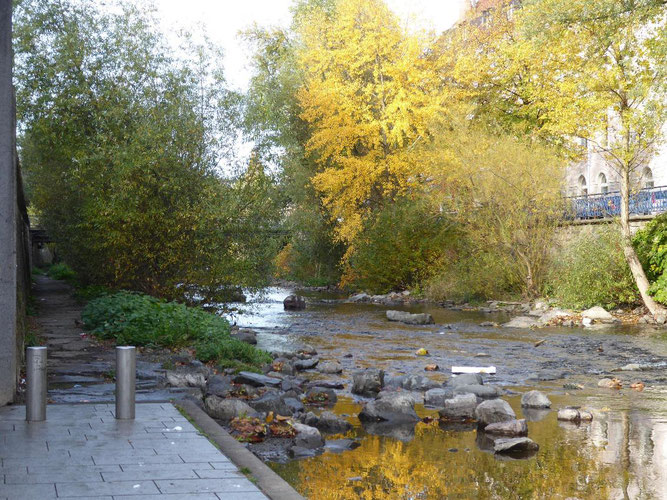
[431, 368]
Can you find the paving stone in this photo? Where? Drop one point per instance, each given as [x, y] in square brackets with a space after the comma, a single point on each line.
[53, 477]
[188, 496]
[205, 485]
[218, 473]
[104, 488]
[27, 491]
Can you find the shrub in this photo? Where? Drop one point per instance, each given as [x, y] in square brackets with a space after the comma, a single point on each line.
[400, 247]
[141, 320]
[61, 271]
[592, 270]
[651, 245]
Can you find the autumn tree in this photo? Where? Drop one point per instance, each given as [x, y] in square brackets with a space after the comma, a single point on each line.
[369, 95]
[606, 81]
[573, 69]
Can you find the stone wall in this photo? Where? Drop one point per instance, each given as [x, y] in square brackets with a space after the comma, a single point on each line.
[14, 225]
[571, 231]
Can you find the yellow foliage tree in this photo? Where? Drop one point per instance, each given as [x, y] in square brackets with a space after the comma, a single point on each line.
[370, 93]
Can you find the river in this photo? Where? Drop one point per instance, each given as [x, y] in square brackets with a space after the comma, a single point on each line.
[622, 453]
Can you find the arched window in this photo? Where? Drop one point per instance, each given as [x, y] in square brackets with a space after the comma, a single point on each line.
[583, 189]
[604, 187]
[647, 178]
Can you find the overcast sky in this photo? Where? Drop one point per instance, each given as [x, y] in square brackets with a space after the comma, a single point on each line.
[223, 19]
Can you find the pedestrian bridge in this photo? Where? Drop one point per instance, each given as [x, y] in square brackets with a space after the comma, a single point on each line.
[647, 202]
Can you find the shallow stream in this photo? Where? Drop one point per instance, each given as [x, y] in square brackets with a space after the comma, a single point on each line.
[621, 454]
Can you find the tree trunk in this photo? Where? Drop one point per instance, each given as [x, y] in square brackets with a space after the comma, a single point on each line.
[630, 255]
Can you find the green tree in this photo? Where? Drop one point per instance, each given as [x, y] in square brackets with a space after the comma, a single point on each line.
[123, 145]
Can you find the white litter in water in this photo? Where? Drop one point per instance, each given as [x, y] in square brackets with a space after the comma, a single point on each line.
[474, 369]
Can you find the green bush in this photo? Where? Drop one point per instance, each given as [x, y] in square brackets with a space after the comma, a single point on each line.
[472, 275]
[592, 270]
[651, 245]
[61, 271]
[400, 247]
[142, 320]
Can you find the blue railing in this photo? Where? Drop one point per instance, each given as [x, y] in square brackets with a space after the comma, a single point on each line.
[649, 201]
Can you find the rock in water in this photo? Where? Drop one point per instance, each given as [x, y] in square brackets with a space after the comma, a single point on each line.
[466, 379]
[330, 367]
[294, 303]
[493, 411]
[521, 322]
[459, 408]
[368, 382]
[332, 424]
[535, 399]
[227, 409]
[437, 397]
[418, 382]
[306, 364]
[307, 437]
[481, 391]
[515, 445]
[574, 415]
[409, 318]
[246, 335]
[390, 406]
[597, 313]
[509, 428]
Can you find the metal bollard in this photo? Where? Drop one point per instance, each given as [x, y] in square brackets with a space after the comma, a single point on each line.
[126, 370]
[35, 403]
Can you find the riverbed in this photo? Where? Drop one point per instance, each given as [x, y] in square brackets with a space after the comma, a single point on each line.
[622, 453]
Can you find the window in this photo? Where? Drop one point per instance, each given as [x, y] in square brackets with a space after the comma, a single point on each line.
[647, 178]
[583, 189]
[604, 187]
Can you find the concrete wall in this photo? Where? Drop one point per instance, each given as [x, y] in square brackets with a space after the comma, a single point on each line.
[14, 226]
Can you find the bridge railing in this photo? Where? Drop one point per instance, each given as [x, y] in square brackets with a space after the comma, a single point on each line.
[648, 201]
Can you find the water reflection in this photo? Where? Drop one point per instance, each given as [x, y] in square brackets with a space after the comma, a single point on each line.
[619, 455]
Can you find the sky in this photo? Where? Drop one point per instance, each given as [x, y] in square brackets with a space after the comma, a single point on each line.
[223, 19]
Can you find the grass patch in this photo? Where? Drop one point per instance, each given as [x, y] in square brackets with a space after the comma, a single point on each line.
[61, 271]
[141, 320]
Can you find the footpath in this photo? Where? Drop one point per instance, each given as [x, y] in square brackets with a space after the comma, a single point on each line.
[82, 451]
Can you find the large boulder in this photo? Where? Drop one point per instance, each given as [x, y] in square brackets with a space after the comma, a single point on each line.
[418, 382]
[481, 391]
[294, 405]
[307, 437]
[227, 409]
[493, 411]
[294, 303]
[460, 408]
[552, 316]
[509, 428]
[257, 380]
[521, 322]
[390, 406]
[535, 399]
[409, 318]
[598, 314]
[368, 382]
[332, 424]
[466, 379]
[515, 445]
[436, 397]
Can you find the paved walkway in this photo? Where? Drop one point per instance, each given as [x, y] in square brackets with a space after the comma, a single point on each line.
[82, 451]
